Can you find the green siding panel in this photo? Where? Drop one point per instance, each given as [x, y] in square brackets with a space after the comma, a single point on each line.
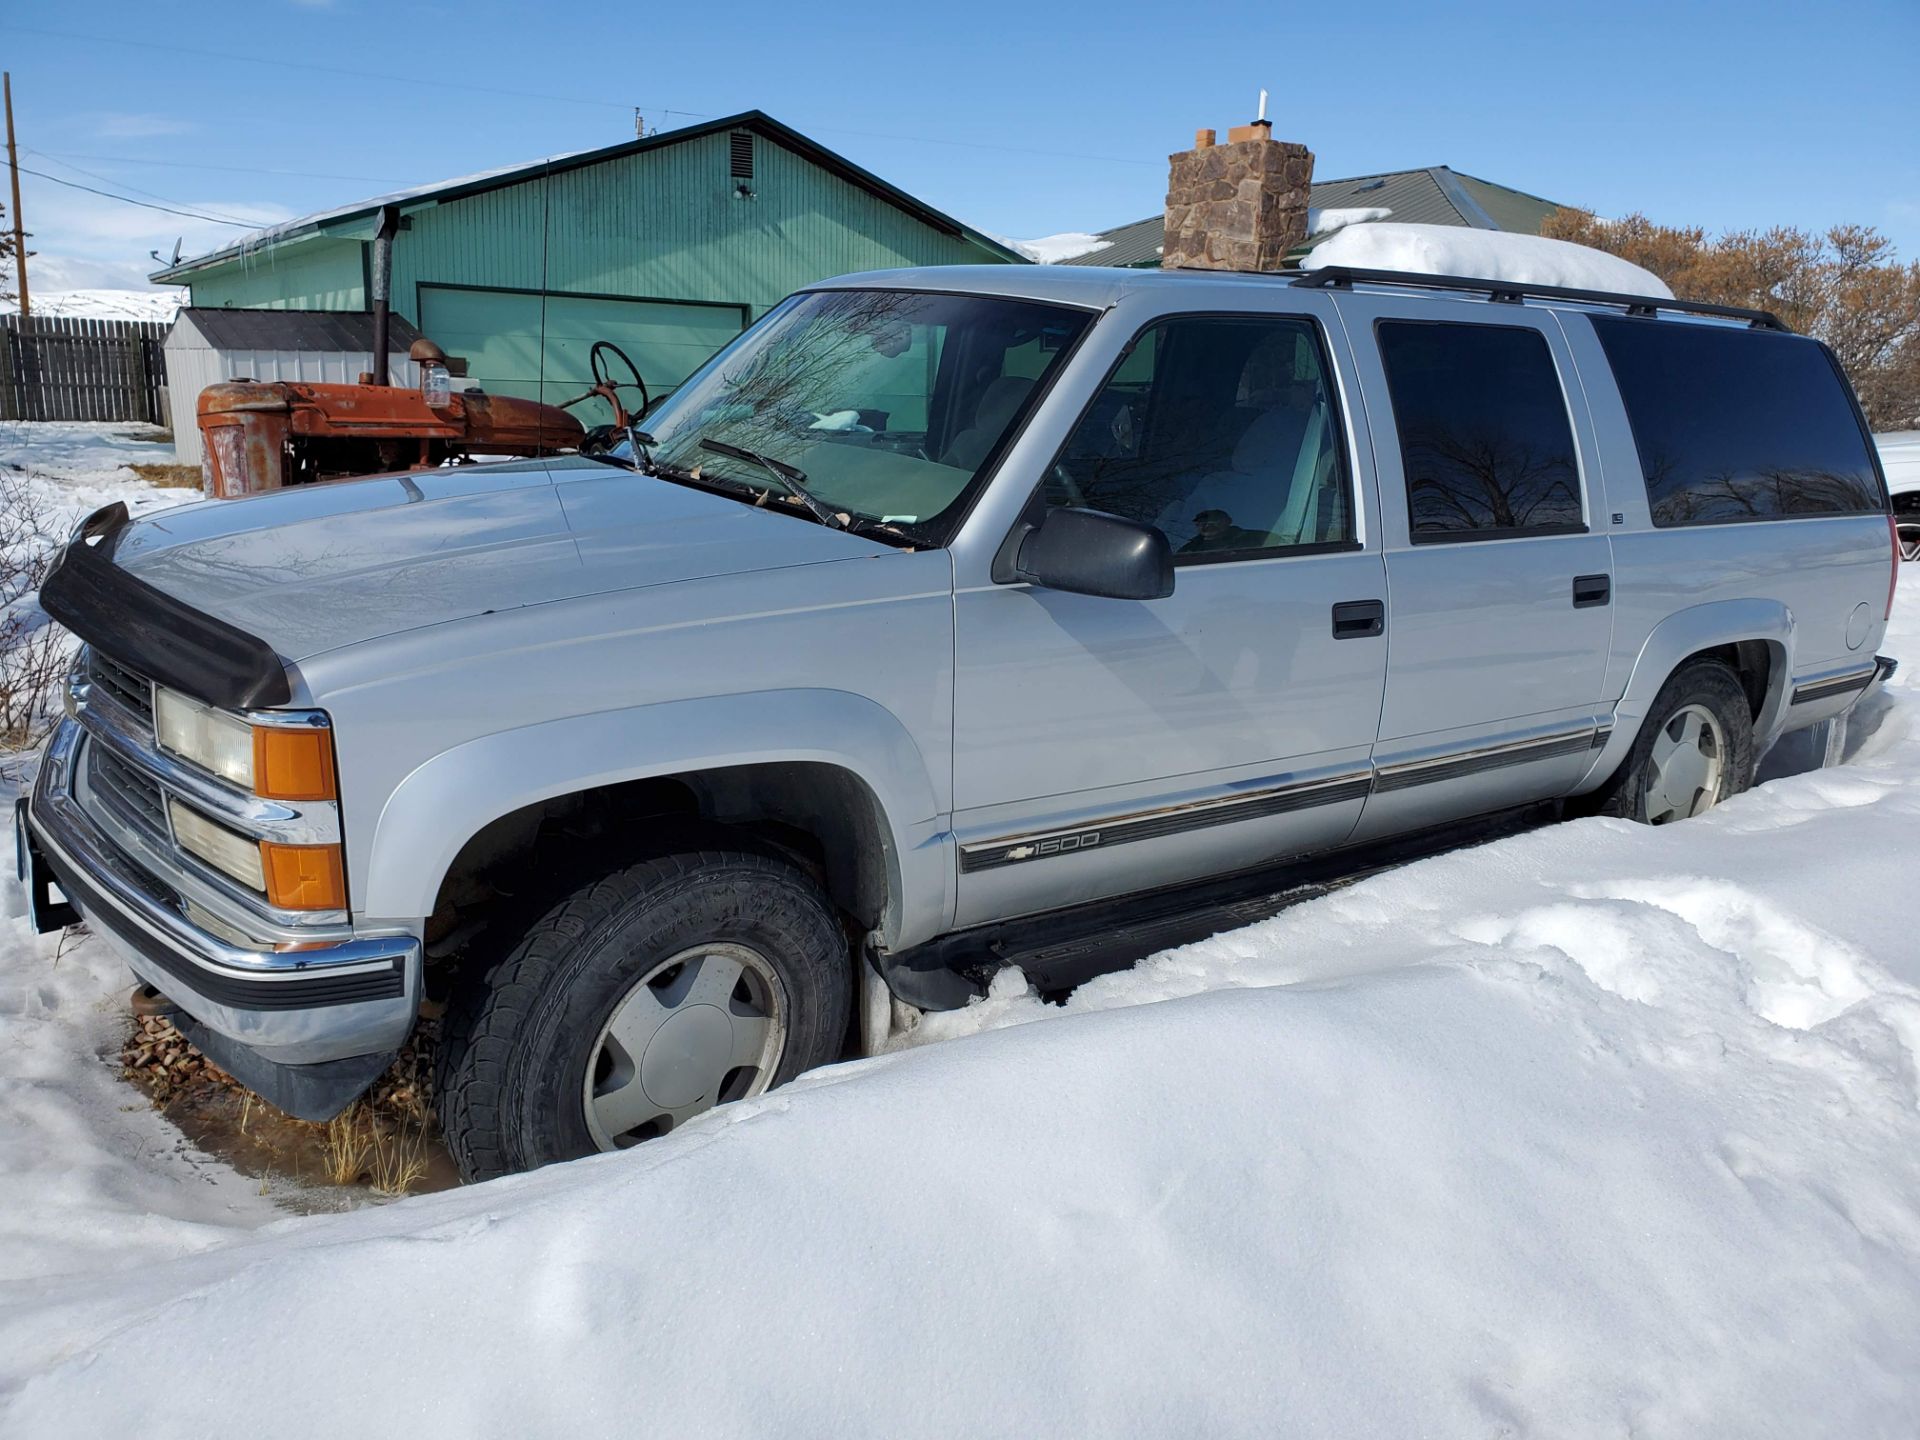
[667, 224]
[322, 274]
[656, 251]
[498, 333]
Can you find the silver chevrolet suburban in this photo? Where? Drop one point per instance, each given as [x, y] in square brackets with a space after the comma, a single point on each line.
[947, 619]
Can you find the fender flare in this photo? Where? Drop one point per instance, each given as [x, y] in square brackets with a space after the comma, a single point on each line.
[1687, 632]
[447, 800]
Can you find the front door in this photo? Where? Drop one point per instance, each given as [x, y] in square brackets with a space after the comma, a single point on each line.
[1110, 746]
[1498, 561]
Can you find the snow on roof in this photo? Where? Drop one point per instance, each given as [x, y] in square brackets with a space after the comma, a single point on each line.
[1324, 221]
[1053, 249]
[255, 238]
[1483, 255]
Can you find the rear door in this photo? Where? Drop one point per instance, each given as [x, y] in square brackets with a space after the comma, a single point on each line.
[1499, 568]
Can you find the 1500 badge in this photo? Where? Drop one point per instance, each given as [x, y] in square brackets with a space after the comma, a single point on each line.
[1053, 845]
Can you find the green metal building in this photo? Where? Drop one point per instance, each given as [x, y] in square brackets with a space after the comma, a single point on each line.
[668, 246]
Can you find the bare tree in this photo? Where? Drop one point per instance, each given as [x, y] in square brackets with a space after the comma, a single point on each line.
[1846, 287]
[34, 652]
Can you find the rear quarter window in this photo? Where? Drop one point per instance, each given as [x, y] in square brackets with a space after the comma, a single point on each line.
[1736, 425]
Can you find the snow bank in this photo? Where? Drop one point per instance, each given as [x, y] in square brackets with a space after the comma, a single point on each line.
[1484, 254]
[1593, 1131]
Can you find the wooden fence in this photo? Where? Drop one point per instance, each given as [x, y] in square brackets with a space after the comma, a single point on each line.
[55, 368]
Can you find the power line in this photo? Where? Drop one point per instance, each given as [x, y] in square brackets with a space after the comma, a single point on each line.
[103, 179]
[68, 157]
[144, 204]
[558, 99]
[319, 69]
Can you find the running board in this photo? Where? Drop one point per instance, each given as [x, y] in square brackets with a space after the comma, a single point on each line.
[1061, 949]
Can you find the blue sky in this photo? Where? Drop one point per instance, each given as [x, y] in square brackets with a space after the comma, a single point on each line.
[1024, 119]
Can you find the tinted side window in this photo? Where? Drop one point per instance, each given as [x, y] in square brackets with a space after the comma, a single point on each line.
[1221, 431]
[1738, 424]
[1484, 436]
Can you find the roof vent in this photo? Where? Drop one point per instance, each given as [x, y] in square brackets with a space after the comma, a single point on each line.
[741, 154]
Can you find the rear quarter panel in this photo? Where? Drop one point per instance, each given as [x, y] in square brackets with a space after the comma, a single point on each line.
[1800, 584]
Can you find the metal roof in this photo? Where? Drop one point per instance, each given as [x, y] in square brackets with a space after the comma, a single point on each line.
[1436, 195]
[294, 329]
[756, 121]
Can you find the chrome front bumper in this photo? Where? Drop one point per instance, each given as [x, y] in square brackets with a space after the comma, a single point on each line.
[348, 996]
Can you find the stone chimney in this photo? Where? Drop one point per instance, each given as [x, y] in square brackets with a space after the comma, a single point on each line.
[1237, 206]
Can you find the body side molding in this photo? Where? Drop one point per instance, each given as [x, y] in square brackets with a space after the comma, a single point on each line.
[1278, 795]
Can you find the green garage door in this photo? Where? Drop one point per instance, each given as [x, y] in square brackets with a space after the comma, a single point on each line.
[499, 331]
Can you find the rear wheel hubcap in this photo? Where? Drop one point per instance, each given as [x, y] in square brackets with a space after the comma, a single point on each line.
[1685, 767]
[702, 1028]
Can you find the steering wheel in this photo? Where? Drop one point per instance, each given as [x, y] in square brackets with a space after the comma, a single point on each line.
[607, 388]
[602, 379]
[1075, 495]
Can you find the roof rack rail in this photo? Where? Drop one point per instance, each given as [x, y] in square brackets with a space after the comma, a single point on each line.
[1340, 277]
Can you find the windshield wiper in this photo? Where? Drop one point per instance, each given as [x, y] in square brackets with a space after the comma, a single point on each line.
[792, 478]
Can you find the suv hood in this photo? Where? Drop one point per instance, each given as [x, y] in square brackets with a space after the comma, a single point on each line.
[324, 566]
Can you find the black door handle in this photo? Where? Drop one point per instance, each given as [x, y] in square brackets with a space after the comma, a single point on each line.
[1591, 590]
[1357, 619]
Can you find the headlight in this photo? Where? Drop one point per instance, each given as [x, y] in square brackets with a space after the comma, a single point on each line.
[218, 846]
[209, 739]
[293, 877]
[277, 762]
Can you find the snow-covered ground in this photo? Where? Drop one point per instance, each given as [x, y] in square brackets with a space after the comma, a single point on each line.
[76, 466]
[1596, 1130]
[99, 304]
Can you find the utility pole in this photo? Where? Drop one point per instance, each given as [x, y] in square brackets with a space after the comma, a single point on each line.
[13, 167]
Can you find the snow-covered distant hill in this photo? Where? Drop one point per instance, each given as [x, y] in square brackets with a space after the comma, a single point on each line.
[159, 305]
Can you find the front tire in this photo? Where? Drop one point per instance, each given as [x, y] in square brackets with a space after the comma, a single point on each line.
[1694, 751]
[641, 1000]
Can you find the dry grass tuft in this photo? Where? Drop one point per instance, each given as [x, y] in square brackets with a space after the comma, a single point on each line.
[349, 1144]
[174, 477]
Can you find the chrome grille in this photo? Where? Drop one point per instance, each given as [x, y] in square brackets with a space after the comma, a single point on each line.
[133, 690]
[136, 796]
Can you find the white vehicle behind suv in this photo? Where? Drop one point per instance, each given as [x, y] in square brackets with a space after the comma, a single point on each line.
[1900, 459]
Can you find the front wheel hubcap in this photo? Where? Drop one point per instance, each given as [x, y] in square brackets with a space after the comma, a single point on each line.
[702, 1028]
[1685, 768]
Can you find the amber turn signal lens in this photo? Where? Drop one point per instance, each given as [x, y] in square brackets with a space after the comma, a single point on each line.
[293, 763]
[304, 877]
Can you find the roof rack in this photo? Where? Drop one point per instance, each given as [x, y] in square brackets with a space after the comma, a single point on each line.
[1512, 292]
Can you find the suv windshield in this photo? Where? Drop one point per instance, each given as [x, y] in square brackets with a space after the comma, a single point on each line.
[885, 404]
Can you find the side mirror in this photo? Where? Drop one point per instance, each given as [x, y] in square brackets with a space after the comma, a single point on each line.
[1089, 552]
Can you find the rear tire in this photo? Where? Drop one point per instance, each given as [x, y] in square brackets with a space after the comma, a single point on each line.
[1694, 750]
[639, 1001]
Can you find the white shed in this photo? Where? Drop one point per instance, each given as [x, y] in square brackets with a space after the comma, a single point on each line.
[206, 346]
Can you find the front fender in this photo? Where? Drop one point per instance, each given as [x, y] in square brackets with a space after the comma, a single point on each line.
[1688, 632]
[440, 805]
